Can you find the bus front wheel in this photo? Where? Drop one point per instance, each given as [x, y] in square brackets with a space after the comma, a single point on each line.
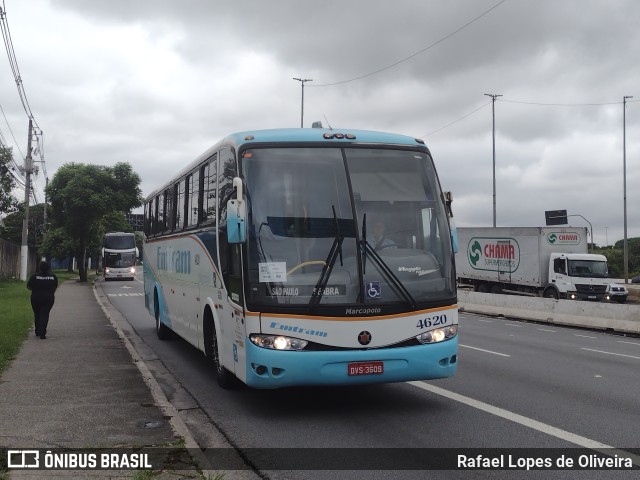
[223, 376]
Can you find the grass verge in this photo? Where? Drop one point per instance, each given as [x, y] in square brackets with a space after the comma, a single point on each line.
[16, 316]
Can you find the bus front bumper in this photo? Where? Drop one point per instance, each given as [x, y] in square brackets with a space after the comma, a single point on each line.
[268, 368]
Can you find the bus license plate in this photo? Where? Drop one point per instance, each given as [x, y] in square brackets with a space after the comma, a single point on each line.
[365, 368]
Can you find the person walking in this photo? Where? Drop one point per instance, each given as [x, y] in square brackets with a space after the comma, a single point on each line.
[43, 285]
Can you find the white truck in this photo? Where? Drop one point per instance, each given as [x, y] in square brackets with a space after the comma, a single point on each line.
[540, 261]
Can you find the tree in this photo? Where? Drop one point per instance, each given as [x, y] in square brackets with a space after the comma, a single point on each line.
[81, 195]
[8, 202]
[58, 244]
[12, 228]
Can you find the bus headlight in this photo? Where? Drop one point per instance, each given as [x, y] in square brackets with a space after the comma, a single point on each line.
[278, 342]
[438, 335]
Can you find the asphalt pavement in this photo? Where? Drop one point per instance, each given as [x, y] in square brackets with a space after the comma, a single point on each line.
[81, 388]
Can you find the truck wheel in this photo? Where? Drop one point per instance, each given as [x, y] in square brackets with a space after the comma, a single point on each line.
[496, 289]
[483, 288]
[550, 293]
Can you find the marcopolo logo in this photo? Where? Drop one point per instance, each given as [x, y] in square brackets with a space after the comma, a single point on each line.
[494, 254]
[563, 238]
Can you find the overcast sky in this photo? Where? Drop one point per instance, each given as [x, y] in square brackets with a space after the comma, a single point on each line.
[155, 83]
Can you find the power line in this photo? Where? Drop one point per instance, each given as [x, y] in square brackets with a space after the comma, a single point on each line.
[524, 103]
[11, 131]
[34, 128]
[565, 104]
[446, 37]
[457, 120]
[13, 62]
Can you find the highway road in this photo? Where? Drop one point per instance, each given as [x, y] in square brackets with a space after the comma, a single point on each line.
[519, 385]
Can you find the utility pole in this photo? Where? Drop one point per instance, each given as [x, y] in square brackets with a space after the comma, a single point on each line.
[46, 187]
[28, 169]
[624, 185]
[493, 108]
[302, 82]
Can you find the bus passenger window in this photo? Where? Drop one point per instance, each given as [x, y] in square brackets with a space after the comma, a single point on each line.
[179, 225]
[169, 212]
[226, 172]
[209, 190]
[161, 220]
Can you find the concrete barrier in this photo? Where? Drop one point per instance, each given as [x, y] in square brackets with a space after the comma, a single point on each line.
[604, 316]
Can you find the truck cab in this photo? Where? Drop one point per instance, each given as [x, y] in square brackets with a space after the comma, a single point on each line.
[577, 276]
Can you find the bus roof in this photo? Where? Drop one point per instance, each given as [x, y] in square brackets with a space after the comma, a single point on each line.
[321, 135]
[294, 135]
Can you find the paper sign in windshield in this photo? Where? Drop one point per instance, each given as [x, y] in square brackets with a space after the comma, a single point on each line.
[272, 272]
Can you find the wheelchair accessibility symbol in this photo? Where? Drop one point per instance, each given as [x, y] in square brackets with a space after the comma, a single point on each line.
[373, 289]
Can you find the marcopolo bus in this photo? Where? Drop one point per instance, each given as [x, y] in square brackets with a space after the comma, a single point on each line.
[119, 253]
[307, 257]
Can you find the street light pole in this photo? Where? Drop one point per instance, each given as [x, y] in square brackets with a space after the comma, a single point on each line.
[493, 108]
[624, 186]
[589, 231]
[302, 82]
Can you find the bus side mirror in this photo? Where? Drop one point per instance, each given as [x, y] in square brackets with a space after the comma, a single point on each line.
[237, 215]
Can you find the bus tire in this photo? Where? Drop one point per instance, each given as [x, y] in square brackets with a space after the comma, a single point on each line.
[224, 377]
[162, 331]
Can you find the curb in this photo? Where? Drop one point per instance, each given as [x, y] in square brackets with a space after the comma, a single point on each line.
[160, 399]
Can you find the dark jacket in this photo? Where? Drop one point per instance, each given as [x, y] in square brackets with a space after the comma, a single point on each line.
[42, 285]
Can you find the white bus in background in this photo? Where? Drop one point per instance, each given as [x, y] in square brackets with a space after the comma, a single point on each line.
[119, 253]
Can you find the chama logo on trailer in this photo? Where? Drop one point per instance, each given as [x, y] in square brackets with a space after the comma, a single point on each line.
[494, 254]
[563, 238]
[474, 254]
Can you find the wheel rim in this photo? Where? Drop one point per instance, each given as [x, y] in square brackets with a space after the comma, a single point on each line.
[157, 313]
[214, 349]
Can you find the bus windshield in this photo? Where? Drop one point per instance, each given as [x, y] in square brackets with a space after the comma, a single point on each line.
[353, 226]
[120, 242]
[119, 260]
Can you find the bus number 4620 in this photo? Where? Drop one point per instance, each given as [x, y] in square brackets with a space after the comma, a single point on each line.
[432, 321]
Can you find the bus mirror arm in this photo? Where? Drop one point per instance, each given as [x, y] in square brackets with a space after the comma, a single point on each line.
[447, 197]
[237, 215]
[237, 186]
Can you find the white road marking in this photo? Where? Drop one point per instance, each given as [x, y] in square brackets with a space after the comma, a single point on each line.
[483, 350]
[630, 343]
[486, 321]
[513, 325]
[529, 422]
[546, 330]
[610, 353]
[583, 336]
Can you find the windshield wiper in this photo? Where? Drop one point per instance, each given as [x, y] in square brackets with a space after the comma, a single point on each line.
[334, 252]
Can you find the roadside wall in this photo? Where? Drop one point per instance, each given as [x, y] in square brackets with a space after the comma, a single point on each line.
[10, 260]
[604, 316]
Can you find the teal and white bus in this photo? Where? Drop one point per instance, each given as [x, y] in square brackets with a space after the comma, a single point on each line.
[263, 253]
